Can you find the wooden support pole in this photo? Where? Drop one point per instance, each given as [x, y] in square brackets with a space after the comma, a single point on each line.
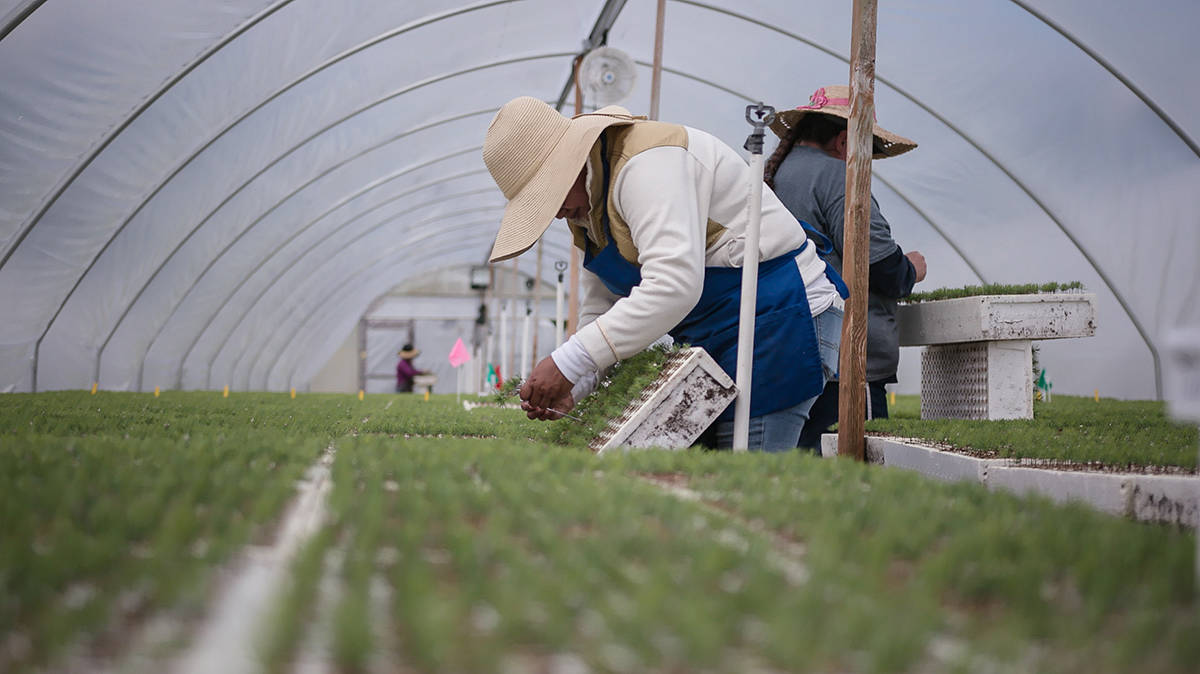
[573, 273]
[656, 71]
[573, 296]
[853, 363]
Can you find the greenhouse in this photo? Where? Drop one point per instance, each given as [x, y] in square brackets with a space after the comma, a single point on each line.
[229, 231]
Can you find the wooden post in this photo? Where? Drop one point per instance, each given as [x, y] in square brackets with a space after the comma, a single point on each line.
[573, 273]
[656, 71]
[853, 363]
[573, 296]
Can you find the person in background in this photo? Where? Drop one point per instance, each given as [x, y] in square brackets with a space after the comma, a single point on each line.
[660, 212]
[405, 370]
[808, 173]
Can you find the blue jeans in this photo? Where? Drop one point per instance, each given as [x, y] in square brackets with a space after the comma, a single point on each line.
[779, 431]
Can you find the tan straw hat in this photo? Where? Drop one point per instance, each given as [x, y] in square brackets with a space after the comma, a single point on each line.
[407, 351]
[835, 101]
[535, 154]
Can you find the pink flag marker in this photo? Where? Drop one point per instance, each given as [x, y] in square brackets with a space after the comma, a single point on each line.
[459, 354]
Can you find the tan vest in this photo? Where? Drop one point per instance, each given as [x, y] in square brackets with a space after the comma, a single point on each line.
[624, 143]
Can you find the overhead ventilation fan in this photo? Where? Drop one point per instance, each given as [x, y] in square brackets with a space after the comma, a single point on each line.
[607, 75]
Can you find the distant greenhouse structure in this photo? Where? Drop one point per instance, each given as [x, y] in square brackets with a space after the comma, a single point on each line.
[197, 195]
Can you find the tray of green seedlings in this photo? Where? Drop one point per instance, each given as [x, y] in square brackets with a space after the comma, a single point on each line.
[1104, 434]
[597, 416]
[993, 289]
[623, 383]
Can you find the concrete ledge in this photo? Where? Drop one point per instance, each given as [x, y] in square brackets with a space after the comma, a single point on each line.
[1106, 492]
[997, 317]
[1171, 499]
[1167, 499]
[945, 466]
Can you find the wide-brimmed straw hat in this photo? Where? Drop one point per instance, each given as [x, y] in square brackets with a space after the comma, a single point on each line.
[407, 351]
[535, 154]
[835, 101]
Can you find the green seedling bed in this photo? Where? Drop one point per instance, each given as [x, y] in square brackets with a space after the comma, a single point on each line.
[993, 289]
[499, 550]
[1109, 434]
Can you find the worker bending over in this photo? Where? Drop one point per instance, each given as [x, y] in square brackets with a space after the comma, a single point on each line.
[660, 211]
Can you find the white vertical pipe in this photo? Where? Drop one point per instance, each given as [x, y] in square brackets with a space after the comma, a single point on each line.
[511, 366]
[525, 338]
[487, 360]
[537, 306]
[504, 340]
[745, 351]
[472, 377]
[558, 311]
[514, 288]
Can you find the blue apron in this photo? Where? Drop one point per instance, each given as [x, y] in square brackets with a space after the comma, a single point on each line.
[787, 360]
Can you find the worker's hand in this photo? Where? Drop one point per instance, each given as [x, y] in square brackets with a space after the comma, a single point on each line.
[918, 263]
[556, 411]
[545, 389]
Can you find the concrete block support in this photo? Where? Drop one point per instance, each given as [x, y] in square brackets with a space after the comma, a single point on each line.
[978, 361]
[977, 380]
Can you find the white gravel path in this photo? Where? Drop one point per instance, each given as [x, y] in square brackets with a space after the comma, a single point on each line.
[228, 639]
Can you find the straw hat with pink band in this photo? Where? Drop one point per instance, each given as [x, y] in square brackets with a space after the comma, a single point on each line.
[535, 154]
[835, 101]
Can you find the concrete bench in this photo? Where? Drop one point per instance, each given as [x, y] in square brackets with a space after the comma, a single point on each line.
[978, 357]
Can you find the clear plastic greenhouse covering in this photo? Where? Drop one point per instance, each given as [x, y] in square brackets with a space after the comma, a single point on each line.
[200, 194]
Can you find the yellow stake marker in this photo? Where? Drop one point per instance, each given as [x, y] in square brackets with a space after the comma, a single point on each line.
[360, 394]
[95, 385]
[293, 393]
[155, 391]
[426, 395]
[892, 398]
[225, 393]
[1096, 395]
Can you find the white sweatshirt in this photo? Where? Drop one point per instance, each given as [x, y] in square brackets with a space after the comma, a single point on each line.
[667, 195]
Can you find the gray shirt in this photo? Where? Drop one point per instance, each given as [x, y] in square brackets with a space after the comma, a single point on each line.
[813, 187]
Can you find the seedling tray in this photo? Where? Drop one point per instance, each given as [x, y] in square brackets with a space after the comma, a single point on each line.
[673, 410]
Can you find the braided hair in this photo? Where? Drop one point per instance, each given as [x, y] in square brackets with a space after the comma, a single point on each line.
[812, 127]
